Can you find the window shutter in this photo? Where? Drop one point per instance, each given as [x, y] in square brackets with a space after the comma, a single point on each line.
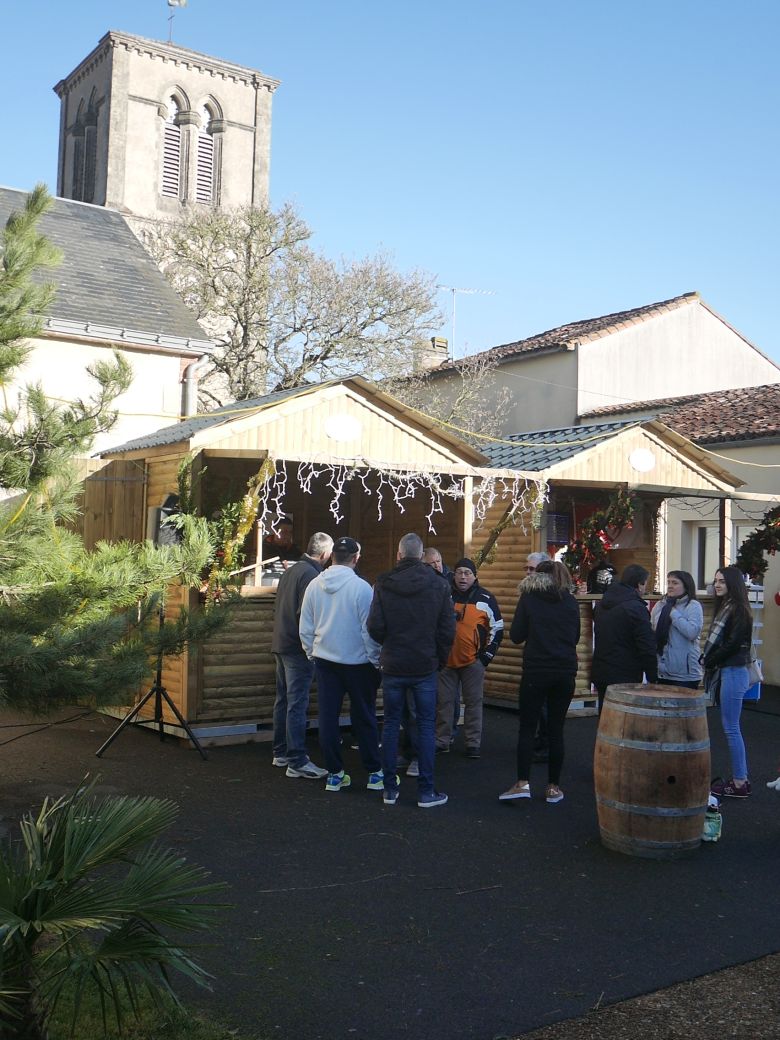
[204, 189]
[171, 171]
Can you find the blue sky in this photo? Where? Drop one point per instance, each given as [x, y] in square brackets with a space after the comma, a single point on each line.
[571, 157]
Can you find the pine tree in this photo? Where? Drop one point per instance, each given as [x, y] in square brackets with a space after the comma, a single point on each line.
[74, 625]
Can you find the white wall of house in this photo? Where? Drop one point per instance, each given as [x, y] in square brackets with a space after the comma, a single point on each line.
[153, 400]
[685, 351]
[543, 388]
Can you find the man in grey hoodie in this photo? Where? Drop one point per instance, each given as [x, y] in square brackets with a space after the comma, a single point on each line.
[346, 660]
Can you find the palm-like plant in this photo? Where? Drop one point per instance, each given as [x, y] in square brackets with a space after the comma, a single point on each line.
[86, 900]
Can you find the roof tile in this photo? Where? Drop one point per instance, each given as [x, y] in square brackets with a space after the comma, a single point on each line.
[744, 413]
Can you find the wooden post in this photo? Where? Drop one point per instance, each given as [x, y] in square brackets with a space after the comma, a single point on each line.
[725, 536]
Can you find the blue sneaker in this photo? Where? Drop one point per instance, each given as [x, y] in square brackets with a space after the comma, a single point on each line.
[336, 781]
[428, 801]
[376, 781]
[390, 797]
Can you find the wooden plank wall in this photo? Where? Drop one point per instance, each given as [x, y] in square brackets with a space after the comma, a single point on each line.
[502, 578]
[112, 502]
[161, 479]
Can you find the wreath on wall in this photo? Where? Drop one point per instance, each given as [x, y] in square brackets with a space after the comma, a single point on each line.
[600, 531]
[751, 558]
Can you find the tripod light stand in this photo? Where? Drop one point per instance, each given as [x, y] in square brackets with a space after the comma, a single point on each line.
[160, 694]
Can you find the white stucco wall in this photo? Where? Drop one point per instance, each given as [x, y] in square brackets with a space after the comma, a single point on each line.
[543, 392]
[684, 351]
[153, 400]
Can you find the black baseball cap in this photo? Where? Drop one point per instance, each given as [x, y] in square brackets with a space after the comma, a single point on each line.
[346, 545]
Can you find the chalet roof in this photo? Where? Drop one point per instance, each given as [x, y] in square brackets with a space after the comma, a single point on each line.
[178, 432]
[541, 449]
[108, 287]
[741, 414]
[565, 337]
[238, 412]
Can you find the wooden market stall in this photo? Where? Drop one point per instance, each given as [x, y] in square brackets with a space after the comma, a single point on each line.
[583, 468]
[347, 459]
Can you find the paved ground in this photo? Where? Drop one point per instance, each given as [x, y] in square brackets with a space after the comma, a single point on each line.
[471, 922]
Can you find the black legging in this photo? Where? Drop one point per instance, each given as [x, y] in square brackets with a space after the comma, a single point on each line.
[556, 690]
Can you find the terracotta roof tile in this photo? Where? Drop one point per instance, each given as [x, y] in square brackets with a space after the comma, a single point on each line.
[747, 413]
[564, 336]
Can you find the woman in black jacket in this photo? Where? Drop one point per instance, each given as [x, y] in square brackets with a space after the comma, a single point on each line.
[727, 649]
[547, 620]
[625, 646]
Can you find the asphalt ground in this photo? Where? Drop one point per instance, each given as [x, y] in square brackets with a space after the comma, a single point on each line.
[473, 921]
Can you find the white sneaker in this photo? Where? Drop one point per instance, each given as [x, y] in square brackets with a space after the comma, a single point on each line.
[280, 761]
[308, 771]
[774, 784]
[413, 769]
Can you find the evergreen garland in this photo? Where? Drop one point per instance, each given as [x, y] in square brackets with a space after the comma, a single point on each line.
[751, 558]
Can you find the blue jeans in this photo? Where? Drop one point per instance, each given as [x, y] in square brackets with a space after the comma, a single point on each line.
[423, 690]
[733, 686]
[359, 681]
[294, 673]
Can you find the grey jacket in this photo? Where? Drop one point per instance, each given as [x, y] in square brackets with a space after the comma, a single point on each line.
[680, 658]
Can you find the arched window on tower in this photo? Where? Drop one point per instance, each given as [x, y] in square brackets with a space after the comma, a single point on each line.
[205, 188]
[85, 150]
[171, 164]
[77, 178]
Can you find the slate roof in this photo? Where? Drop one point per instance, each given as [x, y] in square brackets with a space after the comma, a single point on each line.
[107, 282]
[541, 449]
[747, 413]
[565, 336]
[183, 431]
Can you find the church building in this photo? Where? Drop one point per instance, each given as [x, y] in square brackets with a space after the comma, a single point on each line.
[155, 130]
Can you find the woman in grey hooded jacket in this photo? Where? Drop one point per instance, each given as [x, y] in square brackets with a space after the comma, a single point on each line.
[678, 620]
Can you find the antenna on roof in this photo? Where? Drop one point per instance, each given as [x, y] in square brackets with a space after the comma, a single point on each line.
[470, 292]
[173, 4]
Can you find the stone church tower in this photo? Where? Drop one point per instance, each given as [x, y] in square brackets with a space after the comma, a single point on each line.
[156, 131]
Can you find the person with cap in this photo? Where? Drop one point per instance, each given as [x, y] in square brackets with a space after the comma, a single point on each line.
[411, 616]
[334, 635]
[479, 629]
[294, 670]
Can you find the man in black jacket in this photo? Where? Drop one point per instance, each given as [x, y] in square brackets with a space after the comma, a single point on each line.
[413, 618]
[625, 647]
[294, 671]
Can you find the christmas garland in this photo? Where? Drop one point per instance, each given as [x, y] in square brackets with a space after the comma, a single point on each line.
[600, 530]
[751, 558]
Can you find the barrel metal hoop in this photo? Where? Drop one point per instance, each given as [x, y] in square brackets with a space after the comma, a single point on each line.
[660, 713]
[653, 745]
[649, 810]
[622, 842]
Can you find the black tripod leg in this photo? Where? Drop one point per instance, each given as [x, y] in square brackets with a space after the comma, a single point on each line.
[126, 721]
[164, 693]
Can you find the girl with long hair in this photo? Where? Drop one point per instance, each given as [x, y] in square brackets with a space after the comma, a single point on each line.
[678, 620]
[727, 649]
[547, 620]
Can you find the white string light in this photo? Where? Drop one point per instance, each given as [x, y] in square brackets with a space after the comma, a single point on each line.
[526, 495]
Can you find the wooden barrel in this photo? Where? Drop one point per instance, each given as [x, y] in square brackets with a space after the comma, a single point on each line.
[652, 770]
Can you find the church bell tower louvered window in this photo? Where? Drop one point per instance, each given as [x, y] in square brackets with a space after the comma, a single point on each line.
[172, 153]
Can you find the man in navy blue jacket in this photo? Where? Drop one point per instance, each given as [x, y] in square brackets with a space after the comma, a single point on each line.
[413, 618]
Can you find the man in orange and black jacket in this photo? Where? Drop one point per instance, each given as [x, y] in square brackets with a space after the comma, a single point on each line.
[479, 630]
